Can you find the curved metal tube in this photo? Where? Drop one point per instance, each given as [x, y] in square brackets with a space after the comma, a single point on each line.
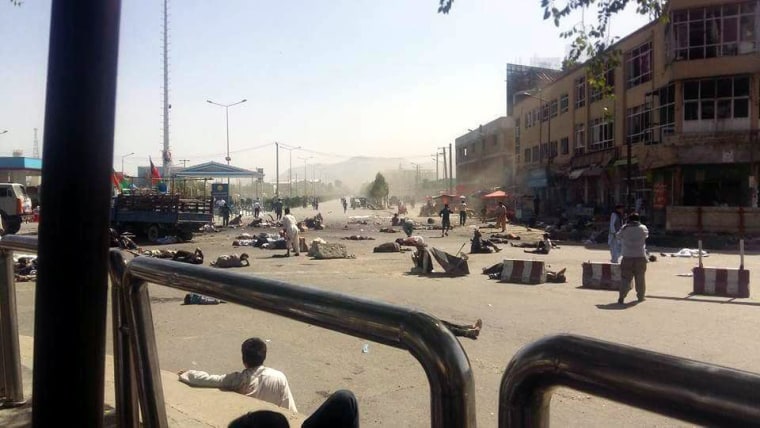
[702, 393]
[19, 243]
[11, 383]
[446, 365]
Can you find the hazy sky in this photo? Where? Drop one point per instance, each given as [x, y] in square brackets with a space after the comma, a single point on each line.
[339, 78]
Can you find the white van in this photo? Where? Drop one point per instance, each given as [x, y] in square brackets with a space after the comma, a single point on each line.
[15, 206]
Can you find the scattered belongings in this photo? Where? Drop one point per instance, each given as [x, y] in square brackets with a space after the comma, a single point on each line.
[167, 240]
[198, 299]
[388, 247]
[244, 236]
[388, 230]
[452, 265]
[358, 219]
[358, 238]
[231, 260]
[324, 251]
[243, 242]
[686, 252]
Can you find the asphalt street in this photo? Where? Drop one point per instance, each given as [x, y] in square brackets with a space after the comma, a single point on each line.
[389, 383]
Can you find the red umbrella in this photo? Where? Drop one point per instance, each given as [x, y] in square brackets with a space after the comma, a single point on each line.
[499, 194]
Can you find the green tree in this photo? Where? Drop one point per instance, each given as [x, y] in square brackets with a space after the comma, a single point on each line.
[378, 190]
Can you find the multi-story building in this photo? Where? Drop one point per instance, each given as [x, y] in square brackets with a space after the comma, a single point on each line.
[681, 126]
[484, 157]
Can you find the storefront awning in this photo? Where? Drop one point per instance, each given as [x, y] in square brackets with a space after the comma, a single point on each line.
[537, 178]
[624, 162]
[593, 172]
[576, 173]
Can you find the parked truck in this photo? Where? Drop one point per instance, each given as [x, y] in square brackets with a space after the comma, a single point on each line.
[158, 215]
[15, 206]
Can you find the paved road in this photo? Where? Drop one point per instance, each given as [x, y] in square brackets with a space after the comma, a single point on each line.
[390, 383]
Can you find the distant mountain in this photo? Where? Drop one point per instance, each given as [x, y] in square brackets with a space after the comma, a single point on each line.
[355, 171]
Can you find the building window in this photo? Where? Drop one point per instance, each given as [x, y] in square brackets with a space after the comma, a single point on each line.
[602, 133]
[716, 99]
[553, 151]
[638, 65]
[639, 121]
[564, 146]
[544, 112]
[579, 146]
[564, 103]
[544, 151]
[527, 120]
[535, 155]
[554, 108]
[464, 152]
[527, 155]
[580, 92]
[709, 32]
[665, 112]
[597, 92]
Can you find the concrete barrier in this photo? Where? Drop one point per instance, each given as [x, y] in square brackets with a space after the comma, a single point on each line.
[725, 282]
[524, 272]
[602, 276]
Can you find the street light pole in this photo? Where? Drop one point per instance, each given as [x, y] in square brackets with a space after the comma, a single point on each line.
[122, 160]
[227, 122]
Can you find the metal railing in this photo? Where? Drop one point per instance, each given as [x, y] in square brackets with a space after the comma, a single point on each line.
[11, 384]
[689, 390]
[452, 395]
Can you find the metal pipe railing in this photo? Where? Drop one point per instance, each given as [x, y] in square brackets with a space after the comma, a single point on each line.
[693, 391]
[11, 382]
[452, 396]
[125, 379]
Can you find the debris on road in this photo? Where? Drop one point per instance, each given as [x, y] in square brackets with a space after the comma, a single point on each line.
[231, 260]
[324, 251]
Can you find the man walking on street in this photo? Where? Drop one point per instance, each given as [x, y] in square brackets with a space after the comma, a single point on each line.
[501, 216]
[462, 213]
[633, 237]
[616, 222]
[446, 221]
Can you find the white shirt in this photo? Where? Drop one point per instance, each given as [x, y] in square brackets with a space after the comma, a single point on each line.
[256, 204]
[260, 382]
[289, 224]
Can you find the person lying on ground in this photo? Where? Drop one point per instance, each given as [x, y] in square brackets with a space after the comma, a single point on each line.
[494, 272]
[256, 380]
[470, 331]
[231, 260]
[340, 410]
[196, 257]
[481, 245]
[542, 247]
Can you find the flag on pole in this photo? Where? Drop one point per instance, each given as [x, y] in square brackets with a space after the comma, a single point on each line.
[155, 176]
[115, 179]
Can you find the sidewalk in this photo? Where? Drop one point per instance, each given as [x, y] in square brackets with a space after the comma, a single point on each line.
[185, 406]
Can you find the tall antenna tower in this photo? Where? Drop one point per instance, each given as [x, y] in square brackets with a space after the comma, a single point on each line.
[36, 147]
[167, 154]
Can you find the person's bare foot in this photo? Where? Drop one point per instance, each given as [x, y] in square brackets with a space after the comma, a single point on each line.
[478, 324]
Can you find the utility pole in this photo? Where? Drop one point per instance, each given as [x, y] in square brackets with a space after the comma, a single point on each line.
[277, 172]
[445, 172]
[451, 170]
[167, 164]
[436, 168]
